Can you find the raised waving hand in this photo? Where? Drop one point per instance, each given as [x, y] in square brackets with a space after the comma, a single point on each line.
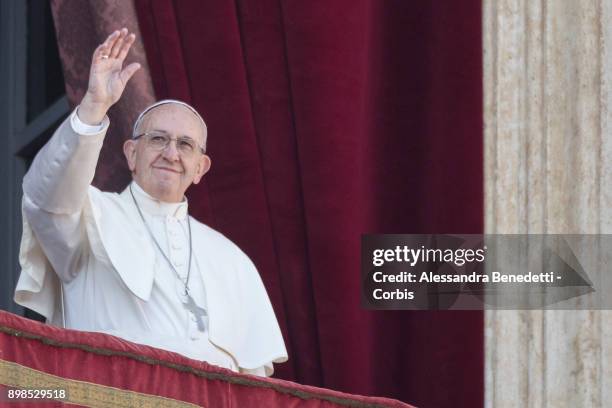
[107, 76]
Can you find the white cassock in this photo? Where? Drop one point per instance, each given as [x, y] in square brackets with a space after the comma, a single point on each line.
[113, 277]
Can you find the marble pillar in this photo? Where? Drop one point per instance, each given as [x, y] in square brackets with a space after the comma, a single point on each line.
[548, 169]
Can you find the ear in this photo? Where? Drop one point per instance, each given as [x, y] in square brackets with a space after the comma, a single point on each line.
[129, 150]
[203, 167]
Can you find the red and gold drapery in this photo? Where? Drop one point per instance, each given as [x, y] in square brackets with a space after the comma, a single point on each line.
[100, 370]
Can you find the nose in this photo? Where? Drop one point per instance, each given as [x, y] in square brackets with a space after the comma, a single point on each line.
[170, 152]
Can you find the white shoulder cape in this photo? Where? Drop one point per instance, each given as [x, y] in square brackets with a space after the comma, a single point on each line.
[241, 318]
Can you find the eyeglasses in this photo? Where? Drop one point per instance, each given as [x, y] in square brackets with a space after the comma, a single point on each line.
[185, 145]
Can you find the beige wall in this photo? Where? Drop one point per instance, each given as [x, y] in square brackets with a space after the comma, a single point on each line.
[548, 169]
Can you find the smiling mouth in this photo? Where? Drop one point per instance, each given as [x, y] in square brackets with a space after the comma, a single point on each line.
[167, 169]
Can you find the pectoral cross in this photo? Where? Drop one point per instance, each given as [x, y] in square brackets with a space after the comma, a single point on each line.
[198, 312]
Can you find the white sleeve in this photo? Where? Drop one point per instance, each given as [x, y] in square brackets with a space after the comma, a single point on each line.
[63, 169]
[84, 129]
[55, 189]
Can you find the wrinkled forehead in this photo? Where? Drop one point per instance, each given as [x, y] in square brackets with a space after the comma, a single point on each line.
[170, 111]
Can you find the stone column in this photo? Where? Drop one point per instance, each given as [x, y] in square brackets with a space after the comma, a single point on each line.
[548, 169]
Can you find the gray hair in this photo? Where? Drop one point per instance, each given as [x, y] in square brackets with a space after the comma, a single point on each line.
[165, 102]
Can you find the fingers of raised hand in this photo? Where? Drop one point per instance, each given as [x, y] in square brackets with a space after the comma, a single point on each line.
[128, 71]
[116, 46]
[103, 51]
[125, 48]
[118, 43]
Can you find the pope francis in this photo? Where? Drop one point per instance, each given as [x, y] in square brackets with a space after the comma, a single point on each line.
[135, 264]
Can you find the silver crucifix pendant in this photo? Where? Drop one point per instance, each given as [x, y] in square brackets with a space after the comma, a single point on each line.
[198, 312]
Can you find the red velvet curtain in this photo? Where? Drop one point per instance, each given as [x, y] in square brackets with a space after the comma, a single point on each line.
[328, 120]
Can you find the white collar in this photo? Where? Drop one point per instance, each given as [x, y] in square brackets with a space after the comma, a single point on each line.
[153, 206]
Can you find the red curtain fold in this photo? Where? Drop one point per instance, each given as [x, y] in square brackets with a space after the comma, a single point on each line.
[328, 120]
